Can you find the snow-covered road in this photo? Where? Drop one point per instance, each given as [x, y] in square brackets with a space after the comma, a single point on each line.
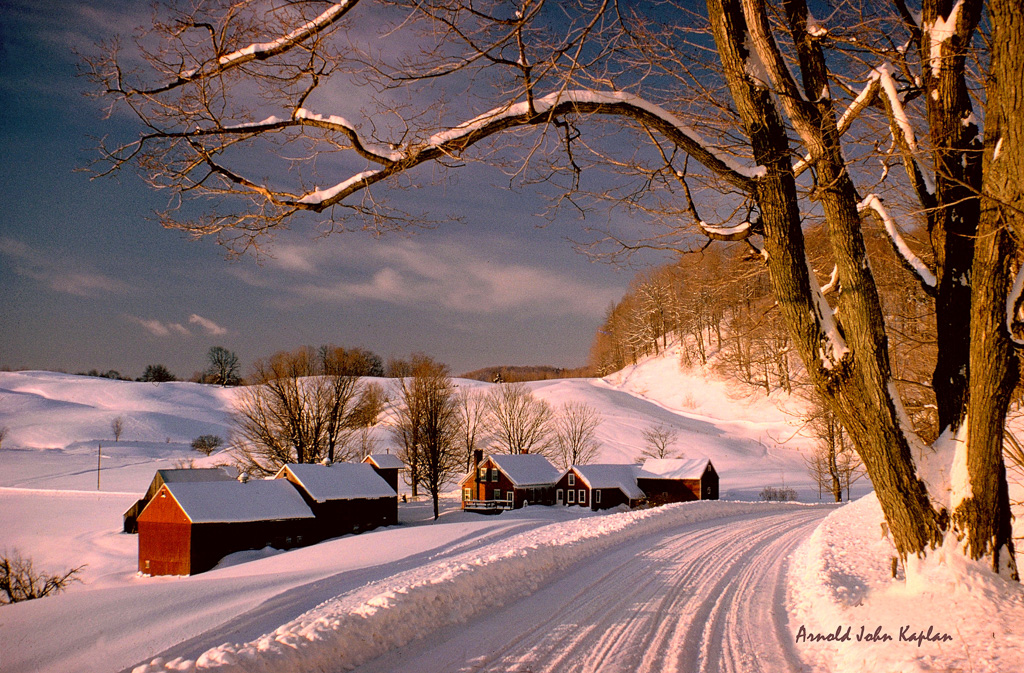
[706, 596]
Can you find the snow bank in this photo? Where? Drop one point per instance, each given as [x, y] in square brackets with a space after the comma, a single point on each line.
[856, 618]
[360, 625]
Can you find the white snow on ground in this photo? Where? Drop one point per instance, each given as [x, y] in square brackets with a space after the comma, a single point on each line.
[699, 571]
[360, 625]
[841, 582]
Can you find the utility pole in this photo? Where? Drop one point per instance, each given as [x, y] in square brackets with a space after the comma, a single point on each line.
[99, 457]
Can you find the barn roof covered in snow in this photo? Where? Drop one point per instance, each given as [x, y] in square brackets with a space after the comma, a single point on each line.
[526, 469]
[674, 468]
[622, 477]
[385, 461]
[341, 481]
[232, 501]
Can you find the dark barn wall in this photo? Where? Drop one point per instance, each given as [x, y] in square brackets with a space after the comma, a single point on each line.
[610, 497]
[341, 517]
[389, 475]
[213, 541]
[661, 491]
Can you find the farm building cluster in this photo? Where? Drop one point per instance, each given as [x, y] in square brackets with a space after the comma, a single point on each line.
[512, 481]
[190, 519]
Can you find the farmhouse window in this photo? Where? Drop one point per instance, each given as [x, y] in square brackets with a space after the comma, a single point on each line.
[494, 474]
[583, 497]
[572, 479]
[572, 497]
[483, 474]
[467, 494]
[497, 494]
[597, 497]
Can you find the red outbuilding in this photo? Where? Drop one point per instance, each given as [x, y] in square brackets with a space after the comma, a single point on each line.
[599, 486]
[509, 481]
[344, 497]
[668, 480]
[187, 527]
[388, 465]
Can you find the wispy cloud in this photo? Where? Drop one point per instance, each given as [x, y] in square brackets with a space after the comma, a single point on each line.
[449, 276]
[211, 327]
[57, 273]
[163, 329]
[160, 329]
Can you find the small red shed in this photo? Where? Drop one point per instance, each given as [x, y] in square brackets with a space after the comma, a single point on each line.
[666, 480]
[599, 486]
[161, 477]
[189, 526]
[344, 497]
[509, 481]
[388, 465]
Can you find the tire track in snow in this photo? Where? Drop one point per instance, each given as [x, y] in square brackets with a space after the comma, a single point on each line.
[708, 596]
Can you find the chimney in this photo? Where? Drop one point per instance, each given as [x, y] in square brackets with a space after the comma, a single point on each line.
[478, 456]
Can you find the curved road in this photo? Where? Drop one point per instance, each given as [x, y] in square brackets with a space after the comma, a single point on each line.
[707, 596]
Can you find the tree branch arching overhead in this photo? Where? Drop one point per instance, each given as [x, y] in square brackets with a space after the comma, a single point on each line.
[600, 103]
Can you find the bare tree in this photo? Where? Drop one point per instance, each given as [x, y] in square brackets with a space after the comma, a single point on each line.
[427, 427]
[295, 411]
[117, 427]
[576, 425]
[224, 368]
[779, 86]
[833, 464]
[521, 422]
[20, 581]
[207, 444]
[473, 429]
[658, 441]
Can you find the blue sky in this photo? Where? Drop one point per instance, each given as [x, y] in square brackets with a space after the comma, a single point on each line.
[89, 279]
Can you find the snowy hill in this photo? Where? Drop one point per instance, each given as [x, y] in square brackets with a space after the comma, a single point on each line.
[57, 422]
[352, 598]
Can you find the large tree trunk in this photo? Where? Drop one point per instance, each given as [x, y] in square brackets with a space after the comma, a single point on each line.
[854, 383]
[984, 514]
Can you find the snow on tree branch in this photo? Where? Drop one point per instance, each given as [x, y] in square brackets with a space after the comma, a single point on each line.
[257, 51]
[453, 141]
[906, 255]
[940, 32]
[859, 104]
[833, 346]
[1013, 301]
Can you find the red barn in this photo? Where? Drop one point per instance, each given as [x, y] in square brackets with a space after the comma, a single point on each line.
[509, 481]
[667, 480]
[599, 486]
[163, 476]
[388, 465]
[189, 526]
[344, 497]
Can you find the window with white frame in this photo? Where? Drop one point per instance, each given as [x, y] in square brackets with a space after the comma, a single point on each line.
[597, 497]
[583, 497]
[467, 494]
[572, 497]
[494, 474]
[497, 494]
[572, 479]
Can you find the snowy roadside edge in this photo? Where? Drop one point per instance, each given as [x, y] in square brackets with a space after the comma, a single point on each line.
[357, 626]
[840, 578]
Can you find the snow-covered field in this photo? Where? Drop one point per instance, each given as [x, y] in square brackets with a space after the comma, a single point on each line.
[701, 586]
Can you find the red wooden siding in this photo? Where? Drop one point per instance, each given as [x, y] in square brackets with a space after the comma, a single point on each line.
[165, 537]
